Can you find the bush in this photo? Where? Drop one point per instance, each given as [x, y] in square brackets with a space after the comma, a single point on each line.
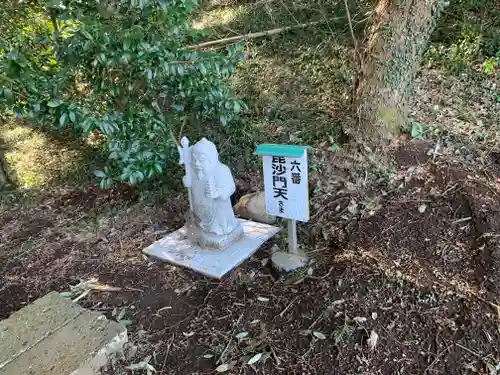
[467, 33]
[122, 69]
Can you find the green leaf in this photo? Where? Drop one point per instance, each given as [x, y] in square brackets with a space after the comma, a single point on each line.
[63, 119]
[54, 103]
[417, 130]
[132, 179]
[72, 116]
[202, 68]
[100, 174]
[9, 96]
[223, 120]
[158, 168]
[125, 322]
[87, 35]
[67, 294]
[126, 44]
[102, 58]
[236, 106]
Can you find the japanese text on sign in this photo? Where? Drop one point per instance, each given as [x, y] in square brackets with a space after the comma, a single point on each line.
[286, 186]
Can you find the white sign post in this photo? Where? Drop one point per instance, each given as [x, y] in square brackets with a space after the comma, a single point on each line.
[287, 195]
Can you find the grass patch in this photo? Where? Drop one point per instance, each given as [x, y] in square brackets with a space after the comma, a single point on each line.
[294, 82]
[39, 160]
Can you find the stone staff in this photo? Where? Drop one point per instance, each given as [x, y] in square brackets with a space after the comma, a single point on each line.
[185, 159]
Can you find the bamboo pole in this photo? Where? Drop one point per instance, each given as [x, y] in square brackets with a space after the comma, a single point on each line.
[259, 34]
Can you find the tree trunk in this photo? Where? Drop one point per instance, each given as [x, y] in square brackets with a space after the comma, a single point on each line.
[391, 57]
[3, 171]
[4, 177]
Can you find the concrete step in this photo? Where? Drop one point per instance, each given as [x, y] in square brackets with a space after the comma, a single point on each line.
[54, 336]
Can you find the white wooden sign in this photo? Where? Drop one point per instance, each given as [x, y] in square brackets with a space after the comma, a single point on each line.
[286, 187]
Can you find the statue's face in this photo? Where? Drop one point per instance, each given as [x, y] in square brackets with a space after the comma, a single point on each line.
[202, 163]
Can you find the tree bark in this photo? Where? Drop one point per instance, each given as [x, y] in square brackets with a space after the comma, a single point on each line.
[4, 179]
[392, 54]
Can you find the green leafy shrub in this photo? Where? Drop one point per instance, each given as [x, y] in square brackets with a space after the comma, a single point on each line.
[121, 69]
[458, 55]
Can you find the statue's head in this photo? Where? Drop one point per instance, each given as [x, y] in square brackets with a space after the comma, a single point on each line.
[205, 157]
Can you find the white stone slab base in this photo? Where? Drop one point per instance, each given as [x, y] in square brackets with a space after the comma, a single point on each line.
[177, 249]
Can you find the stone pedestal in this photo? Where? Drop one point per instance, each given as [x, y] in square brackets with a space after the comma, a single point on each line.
[176, 248]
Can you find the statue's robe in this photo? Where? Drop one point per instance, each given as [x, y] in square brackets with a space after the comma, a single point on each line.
[214, 215]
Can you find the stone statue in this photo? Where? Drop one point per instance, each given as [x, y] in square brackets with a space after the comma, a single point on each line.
[211, 222]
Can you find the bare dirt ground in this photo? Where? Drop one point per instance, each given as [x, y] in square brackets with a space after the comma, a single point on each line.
[405, 276]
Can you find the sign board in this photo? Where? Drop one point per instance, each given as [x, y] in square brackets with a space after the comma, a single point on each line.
[285, 181]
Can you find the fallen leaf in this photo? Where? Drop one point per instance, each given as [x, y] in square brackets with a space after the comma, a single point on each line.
[256, 358]
[319, 335]
[422, 208]
[374, 315]
[263, 299]
[143, 365]
[372, 341]
[223, 368]
[208, 356]
[241, 335]
[360, 319]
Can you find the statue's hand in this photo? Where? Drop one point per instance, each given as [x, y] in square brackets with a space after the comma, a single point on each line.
[211, 192]
[186, 182]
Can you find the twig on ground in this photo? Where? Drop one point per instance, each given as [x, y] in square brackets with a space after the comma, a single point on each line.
[435, 152]
[462, 219]
[316, 321]
[322, 277]
[86, 287]
[221, 358]
[288, 306]
[470, 351]
[314, 277]
[157, 313]
[83, 295]
[134, 289]
[167, 353]
[437, 359]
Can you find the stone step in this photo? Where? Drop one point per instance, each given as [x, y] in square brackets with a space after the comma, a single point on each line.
[54, 336]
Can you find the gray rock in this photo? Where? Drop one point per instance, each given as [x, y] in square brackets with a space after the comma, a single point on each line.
[253, 207]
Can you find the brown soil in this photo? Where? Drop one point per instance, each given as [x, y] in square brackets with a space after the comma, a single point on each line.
[425, 281]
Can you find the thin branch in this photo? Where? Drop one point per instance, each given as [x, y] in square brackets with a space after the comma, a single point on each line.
[229, 5]
[167, 353]
[221, 358]
[437, 359]
[281, 314]
[259, 34]
[357, 56]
